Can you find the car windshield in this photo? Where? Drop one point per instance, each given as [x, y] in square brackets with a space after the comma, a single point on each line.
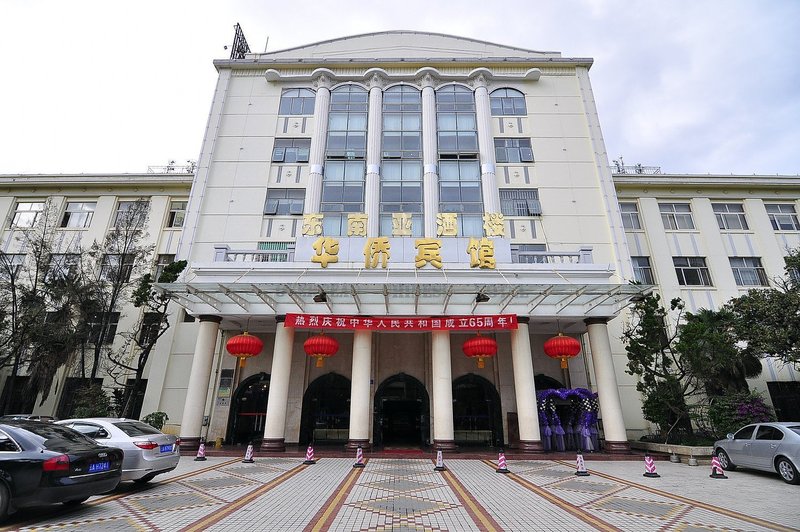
[59, 439]
[135, 428]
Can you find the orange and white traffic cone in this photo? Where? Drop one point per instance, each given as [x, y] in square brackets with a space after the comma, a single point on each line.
[580, 466]
[201, 453]
[716, 468]
[310, 456]
[501, 463]
[248, 455]
[439, 462]
[359, 458]
[649, 467]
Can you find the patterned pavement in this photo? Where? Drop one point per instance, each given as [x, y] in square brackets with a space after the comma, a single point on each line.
[408, 495]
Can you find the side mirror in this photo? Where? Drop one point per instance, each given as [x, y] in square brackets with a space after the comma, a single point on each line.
[729, 436]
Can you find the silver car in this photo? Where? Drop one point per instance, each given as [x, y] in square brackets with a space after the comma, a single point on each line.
[148, 451]
[773, 447]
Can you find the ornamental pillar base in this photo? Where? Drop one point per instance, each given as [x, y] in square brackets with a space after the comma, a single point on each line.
[616, 447]
[273, 445]
[352, 445]
[444, 445]
[530, 446]
[189, 444]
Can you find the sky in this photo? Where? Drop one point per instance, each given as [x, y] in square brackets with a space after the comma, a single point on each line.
[691, 86]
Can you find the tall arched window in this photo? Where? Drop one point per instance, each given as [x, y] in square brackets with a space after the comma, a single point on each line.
[401, 160]
[459, 169]
[346, 149]
[507, 102]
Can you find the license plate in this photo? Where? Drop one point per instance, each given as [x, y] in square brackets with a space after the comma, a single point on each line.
[166, 448]
[98, 467]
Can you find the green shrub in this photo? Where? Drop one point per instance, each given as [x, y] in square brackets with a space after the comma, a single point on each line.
[91, 401]
[156, 419]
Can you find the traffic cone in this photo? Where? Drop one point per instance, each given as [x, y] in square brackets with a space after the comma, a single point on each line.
[439, 462]
[501, 463]
[359, 458]
[581, 467]
[650, 467]
[201, 453]
[310, 456]
[248, 455]
[716, 468]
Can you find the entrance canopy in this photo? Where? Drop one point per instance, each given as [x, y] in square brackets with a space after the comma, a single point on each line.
[239, 302]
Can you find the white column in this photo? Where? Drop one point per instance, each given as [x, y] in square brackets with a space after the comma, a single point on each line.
[197, 391]
[483, 114]
[430, 157]
[374, 128]
[316, 156]
[616, 439]
[443, 434]
[530, 439]
[360, 390]
[275, 424]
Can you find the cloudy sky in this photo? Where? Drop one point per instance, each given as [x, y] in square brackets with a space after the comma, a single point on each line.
[692, 86]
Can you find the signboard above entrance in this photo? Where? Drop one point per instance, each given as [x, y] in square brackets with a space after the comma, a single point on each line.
[394, 323]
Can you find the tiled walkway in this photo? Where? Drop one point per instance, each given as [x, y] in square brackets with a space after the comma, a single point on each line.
[408, 495]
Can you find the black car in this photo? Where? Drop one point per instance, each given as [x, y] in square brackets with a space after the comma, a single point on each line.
[44, 463]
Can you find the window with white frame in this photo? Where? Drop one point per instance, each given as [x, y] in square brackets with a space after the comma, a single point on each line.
[630, 215]
[78, 214]
[782, 216]
[642, 270]
[748, 271]
[276, 251]
[64, 265]
[282, 201]
[529, 253]
[297, 102]
[27, 213]
[692, 271]
[177, 213]
[151, 327]
[508, 150]
[10, 264]
[291, 150]
[676, 215]
[162, 261]
[507, 102]
[102, 333]
[520, 202]
[730, 216]
[117, 267]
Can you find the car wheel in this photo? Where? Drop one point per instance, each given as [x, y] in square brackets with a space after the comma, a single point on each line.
[787, 471]
[145, 479]
[4, 500]
[76, 502]
[725, 461]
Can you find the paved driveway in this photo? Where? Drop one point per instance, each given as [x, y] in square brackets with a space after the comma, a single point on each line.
[407, 494]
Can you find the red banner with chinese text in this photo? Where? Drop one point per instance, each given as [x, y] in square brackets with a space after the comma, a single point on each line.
[394, 323]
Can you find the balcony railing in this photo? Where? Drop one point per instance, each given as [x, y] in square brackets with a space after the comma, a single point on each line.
[224, 254]
[583, 256]
[635, 169]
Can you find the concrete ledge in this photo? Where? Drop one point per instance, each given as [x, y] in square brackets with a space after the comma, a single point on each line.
[700, 452]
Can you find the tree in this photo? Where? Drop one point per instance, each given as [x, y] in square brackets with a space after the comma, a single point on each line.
[140, 341]
[767, 321]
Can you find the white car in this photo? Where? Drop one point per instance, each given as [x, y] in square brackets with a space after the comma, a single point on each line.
[148, 451]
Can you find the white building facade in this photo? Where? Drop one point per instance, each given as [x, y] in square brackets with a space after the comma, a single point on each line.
[402, 192]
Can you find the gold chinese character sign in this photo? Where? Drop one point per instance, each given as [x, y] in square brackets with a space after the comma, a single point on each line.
[326, 251]
[428, 252]
[312, 224]
[447, 224]
[481, 253]
[376, 249]
[401, 224]
[493, 224]
[357, 224]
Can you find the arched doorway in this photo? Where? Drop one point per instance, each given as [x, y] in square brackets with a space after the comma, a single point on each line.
[545, 382]
[477, 417]
[402, 412]
[326, 410]
[249, 410]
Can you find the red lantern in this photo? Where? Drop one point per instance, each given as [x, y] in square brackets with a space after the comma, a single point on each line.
[244, 346]
[480, 347]
[321, 347]
[562, 347]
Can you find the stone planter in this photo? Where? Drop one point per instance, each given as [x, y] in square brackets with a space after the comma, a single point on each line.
[702, 453]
